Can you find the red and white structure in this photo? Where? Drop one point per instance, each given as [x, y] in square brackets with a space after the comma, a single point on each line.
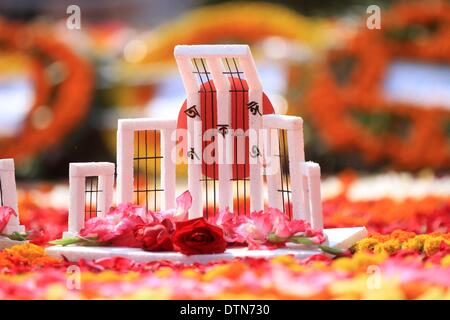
[278, 174]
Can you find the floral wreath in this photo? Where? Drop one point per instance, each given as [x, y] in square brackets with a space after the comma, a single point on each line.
[68, 100]
[346, 103]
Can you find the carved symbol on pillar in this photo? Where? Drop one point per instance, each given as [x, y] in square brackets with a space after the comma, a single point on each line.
[191, 154]
[192, 112]
[254, 153]
[253, 107]
[223, 129]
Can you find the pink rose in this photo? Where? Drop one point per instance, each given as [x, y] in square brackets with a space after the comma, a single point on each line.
[5, 214]
[117, 225]
[184, 202]
[155, 236]
[229, 223]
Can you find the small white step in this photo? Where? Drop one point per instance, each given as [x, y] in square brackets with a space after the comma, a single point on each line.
[342, 238]
[6, 242]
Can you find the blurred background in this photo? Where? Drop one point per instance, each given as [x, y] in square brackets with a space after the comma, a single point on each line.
[372, 99]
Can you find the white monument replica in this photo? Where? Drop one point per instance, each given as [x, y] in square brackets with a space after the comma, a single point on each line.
[224, 93]
[8, 197]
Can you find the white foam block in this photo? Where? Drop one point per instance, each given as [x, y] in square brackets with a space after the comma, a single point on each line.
[342, 238]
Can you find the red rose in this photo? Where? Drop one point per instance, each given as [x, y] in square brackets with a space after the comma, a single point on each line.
[155, 236]
[198, 237]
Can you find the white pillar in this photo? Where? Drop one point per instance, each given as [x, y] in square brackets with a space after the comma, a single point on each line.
[224, 136]
[168, 169]
[273, 169]
[77, 192]
[296, 157]
[9, 194]
[77, 187]
[125, 156]
[106, 185]
[255, 95]
[312, 171]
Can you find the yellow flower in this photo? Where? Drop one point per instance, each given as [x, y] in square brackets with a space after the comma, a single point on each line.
[190, 273]
[231, 271]
[365, 244]
[348, 289]
[164, 272]
[431, 245]
[446, 261]
[149, 294]
[359, 261]
[109, 276]
[291, 263]
[389, 290]
[413, 244]
[58, 291]
[433, 293]
[389, 246]
[25, 254]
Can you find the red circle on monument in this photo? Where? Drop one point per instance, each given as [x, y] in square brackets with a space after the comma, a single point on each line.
[239, 120]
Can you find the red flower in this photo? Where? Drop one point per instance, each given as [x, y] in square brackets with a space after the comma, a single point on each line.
[198, 237]
[5, 214]
[155, 236]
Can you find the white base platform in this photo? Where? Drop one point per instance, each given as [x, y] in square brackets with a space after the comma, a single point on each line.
[342, 238]
[6, 242]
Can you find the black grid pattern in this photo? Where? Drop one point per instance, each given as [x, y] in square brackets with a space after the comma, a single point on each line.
[91, 193]
[147, 167]
[1, 193]
[286, 192]
[239, 94]
[207, 91]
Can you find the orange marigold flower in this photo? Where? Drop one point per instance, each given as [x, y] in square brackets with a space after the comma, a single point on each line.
[25, 255]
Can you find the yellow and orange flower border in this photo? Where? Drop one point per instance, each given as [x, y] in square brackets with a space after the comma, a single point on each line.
[364, 275]
[68, 101]
[392, 264]
[331, 103]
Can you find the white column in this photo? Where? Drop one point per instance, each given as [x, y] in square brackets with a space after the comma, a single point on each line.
[77, 186]
[273, 169]
[255, 95]
[194, 127]
[224, 136]
[315, 199]
[195, 157]
[125, 155]
[9, 194]
[306, 205]
[106, 185]
[296, 157]
[168, 168]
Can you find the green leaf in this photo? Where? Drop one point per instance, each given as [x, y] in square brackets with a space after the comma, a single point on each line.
[301, 240]
[309, 242]
[66, 241]
[331, 250]
[87, 242]
[17, 236]
[272, 237]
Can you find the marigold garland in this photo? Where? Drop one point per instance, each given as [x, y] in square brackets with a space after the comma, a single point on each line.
[427, 244]
[68, 101]
[350, 111]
